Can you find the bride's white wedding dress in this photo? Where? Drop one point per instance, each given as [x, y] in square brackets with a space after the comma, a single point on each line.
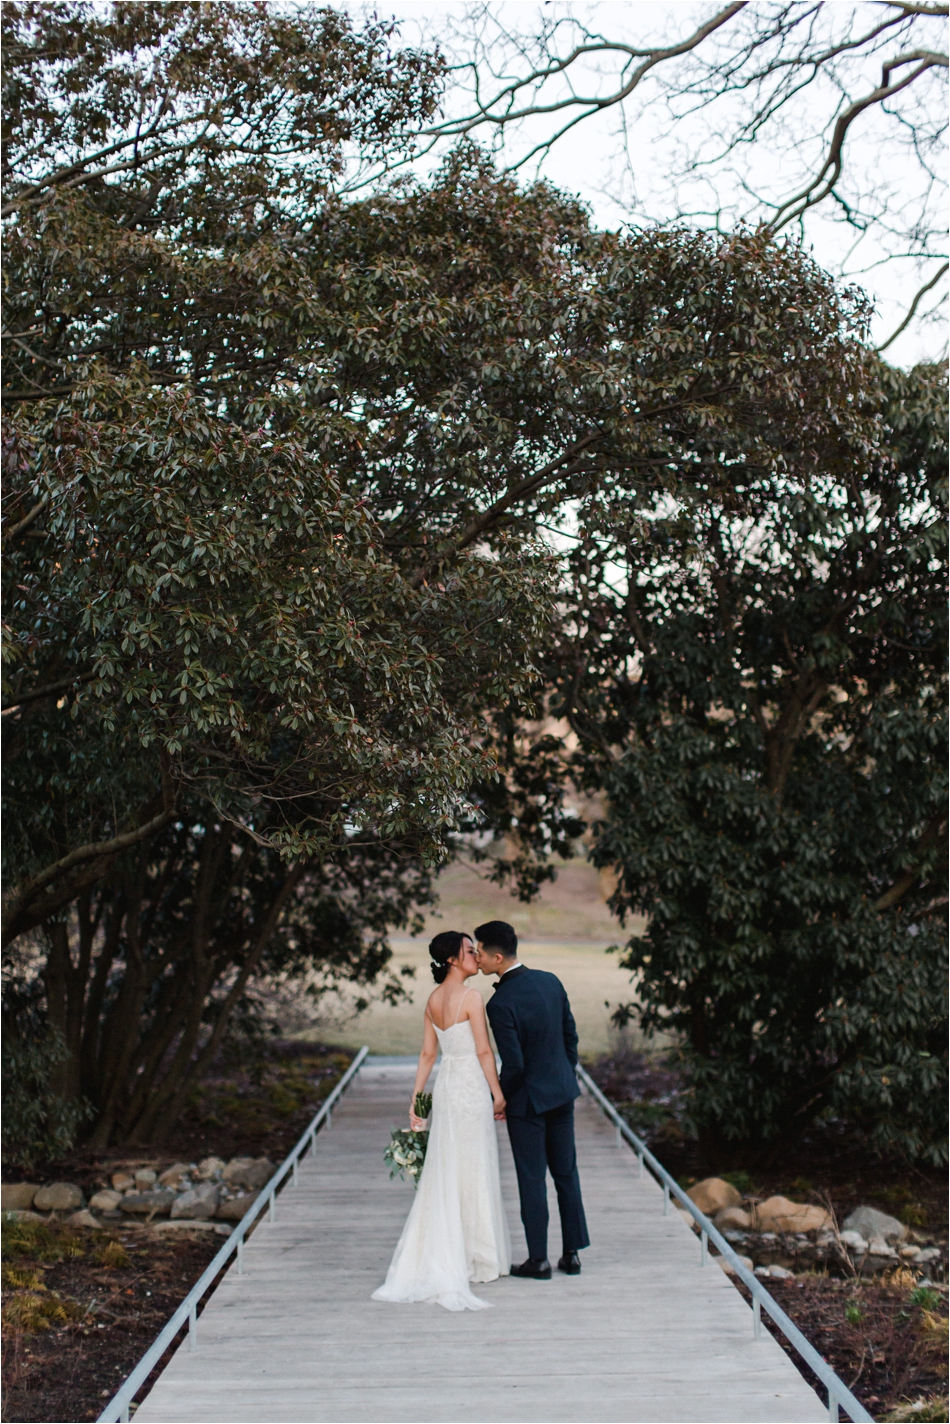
[457, 1231]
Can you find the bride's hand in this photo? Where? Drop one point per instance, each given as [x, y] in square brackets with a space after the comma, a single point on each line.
[498, 1103]
[416, 1123]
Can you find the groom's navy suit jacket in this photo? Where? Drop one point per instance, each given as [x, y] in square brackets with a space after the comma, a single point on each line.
[534, 1030]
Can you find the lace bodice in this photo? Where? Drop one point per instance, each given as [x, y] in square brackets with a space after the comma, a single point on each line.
[457, 1041]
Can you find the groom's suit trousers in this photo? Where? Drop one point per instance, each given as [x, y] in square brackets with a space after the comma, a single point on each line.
[542, 1141]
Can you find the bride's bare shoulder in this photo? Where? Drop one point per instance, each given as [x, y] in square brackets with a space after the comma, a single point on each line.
[473, 1005]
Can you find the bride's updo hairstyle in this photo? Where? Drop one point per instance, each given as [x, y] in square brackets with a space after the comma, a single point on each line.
[445, 946]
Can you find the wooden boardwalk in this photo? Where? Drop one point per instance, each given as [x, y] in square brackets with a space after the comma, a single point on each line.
[644, 1334]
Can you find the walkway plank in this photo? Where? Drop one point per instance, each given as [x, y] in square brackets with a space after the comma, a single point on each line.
[644, 1334]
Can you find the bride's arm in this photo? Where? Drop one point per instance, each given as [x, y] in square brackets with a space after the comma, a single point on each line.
[430, 1048]
[476, 1017]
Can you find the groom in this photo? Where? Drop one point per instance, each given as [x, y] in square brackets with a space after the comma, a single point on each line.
[534, 1030]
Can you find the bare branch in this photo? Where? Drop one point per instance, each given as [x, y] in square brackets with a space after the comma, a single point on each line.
[651, 57]
[912, 312]
[822, 185]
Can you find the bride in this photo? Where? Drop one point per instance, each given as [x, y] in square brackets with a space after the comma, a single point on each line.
[457, 1231]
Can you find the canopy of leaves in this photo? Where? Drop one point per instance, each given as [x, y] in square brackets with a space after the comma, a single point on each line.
[224, 628]
[279, 456]
[761, 695]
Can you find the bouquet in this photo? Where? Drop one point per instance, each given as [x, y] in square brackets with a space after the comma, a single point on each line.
[407, 1148]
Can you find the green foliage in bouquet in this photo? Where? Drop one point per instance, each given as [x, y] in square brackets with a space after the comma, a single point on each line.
[407, 1148]
[422, 1106]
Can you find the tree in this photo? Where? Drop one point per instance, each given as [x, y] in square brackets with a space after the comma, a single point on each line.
[216, 673]
[338, 422]
[758, 689]
[824, 120]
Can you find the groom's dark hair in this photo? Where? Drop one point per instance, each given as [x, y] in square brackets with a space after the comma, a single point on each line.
[498, 936]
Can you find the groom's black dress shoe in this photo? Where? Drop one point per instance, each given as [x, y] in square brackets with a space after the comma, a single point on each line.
[570, 1263]
[534, 1270]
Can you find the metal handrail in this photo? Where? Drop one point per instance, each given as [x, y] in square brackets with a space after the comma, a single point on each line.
[838, 1392]
[118, 1407]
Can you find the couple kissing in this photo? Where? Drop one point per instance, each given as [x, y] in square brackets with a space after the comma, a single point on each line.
[456, 1233]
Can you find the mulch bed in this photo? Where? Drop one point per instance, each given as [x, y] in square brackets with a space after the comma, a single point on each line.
[257, 1105]
[887, 1348]
[69, 1372]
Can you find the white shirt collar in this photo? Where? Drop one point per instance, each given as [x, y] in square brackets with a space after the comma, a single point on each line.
[517, 965]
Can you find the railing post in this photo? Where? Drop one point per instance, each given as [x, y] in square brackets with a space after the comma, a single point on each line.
[294, 1171]
[619, 1138]
[193, 1327]
[756, 1318]
[240, 1256]
[832, 1407]
[639, 1164]
[271, 1208]
[666, 1199]
[703, 1248]
[329, 1121]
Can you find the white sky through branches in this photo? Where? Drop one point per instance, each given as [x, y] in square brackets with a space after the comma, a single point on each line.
[661, 155]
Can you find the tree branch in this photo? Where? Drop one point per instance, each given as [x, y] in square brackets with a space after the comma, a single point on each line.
[910, 877]
[927, 287]
[50, 690]
[809, 197]
[564, 464]
[97, 850]
[27, 519]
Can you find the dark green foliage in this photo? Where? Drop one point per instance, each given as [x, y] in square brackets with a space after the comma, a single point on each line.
[38, 1123]
[763, 706]
[274, 596]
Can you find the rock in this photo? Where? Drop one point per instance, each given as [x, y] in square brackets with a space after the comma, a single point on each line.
[779, 1273]
[871, 1222]
[909, 1253]
[145, 1203]
[930, 1253]
[714, 1195]
[780, 1214]
[854, 1241]
[105, 1200]
[728, 1267]
[733, 1218]
[122, 1181]
[172, 1176]
[59, 1196]
[25, 1215]
[17, 1196]
[188, 1224]
[84, 1218]
[145, 1178]
[235, 1169]
[199, 1204]
[877, 1246]
[235, 1207]
[252, 1173]
[209, 1170]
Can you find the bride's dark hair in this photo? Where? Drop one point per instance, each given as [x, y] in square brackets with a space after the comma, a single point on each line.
[445, 946]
